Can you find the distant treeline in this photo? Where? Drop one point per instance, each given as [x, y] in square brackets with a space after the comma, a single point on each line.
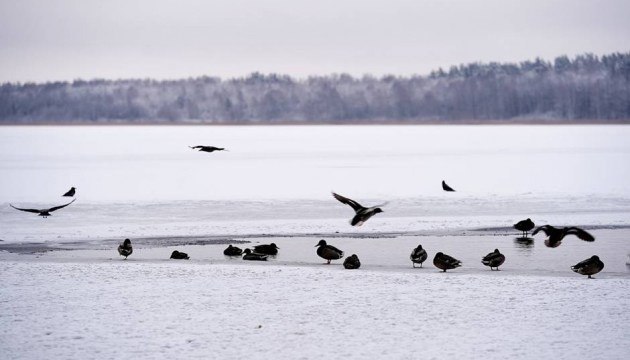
[586, 87]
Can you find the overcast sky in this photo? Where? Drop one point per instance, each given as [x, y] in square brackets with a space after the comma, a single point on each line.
[68, 39]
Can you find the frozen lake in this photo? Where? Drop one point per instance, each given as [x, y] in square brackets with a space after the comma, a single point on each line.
[274, 184]
[145, 181]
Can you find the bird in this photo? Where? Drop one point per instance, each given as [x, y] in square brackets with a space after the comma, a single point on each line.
[557, 234]
[44, 212]
[445, 262]
[179, 255]
[418, 256]
[362, 213]
[71, 192]
[446, 187]
[249, 255]
[525, 226]
[207, 148]
[267, 249]
[590, 266]
[232, 251]
[352, 262]
[328, 252]
[494, 259]
[125, 249]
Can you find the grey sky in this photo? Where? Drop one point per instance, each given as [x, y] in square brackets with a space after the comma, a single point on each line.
[69, 39]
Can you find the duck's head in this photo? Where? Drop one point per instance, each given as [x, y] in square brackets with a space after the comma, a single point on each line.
[273, 245]
[595, 258]
[496, 251]
[127, 242]
[378, 210]
[419, 247]
[247, 252]
[438, 254]
[321, 242]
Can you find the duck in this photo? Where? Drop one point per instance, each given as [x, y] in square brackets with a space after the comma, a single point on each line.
[232, 251]
[207, 148]
[362, 214]
[267, 249]
[178, 255]
[445, 262]
[252, 256]
[418, 256]
[352, 262]
[590, 266]
[557, 234]
[445, 187]
[494, 259]
[125, 249]
[525, 226]
[43, 212]
[71, 192]
[328, 252]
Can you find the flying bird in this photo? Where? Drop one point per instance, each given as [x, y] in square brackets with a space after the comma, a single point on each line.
[418, 256]
[328, 252]
[207, 148]
[252, 256]
[362, 213]
[590, 266]
[525, 226]
[71, 192]
[267, 249]
[494, 259]
[44, 212]
[446, 187]
[557, 234]
[125, 249]
[232, 251]
[445, 262]
[179, 255]
[352, 262]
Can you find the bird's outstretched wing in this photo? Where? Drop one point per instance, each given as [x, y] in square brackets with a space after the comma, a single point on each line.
[196, 147]
[60, 206]
[344, 200]
[581, 234]
[545, 228]
[36, 211]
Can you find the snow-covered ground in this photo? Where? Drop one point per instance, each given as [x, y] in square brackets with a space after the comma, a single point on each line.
[84, 301]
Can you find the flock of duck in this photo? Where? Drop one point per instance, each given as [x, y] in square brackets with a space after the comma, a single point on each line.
[444, 262]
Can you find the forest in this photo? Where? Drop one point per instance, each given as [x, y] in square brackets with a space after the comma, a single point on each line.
[583, 88]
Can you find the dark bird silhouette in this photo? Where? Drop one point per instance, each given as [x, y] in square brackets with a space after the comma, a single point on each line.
[525, 226]
[445, 262]
[590, 266]
[44, 212]
[252, 256]
[179, 255]
[362, 213]
[71, 192]
[352, 262]
[328, 252]
[494, 259]
[207, 148]
[557, 234]
[266, 249]
[232, 251]
[446, 187]
[418, 256]
[125, 249]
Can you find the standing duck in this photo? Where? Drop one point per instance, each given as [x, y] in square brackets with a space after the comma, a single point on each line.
[494, 259]
[418, 256]
[125, 249]
[352, 262]
[232, 251]
[178, 255]
[267, 249]
[557, 234]
[362, 214]
[590, 266]
[252, 256]
[328, 252]
[525, 226]
[445, 262]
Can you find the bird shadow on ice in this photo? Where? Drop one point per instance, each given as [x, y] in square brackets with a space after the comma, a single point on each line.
[524, 243]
